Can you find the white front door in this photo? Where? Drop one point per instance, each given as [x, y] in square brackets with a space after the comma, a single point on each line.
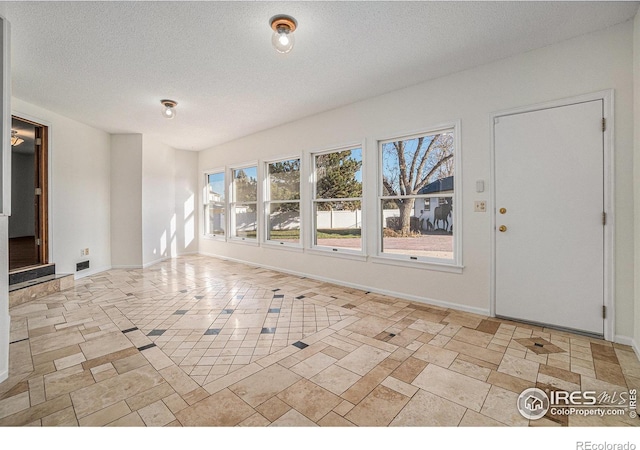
[549, 193]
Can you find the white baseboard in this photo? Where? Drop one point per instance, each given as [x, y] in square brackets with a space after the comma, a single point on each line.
[88, 273]
[127, 267]
[155, 261]
[635, 347]
[624, 340]
[4, 375]
[413, 298]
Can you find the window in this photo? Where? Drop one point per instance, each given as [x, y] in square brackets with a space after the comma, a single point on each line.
[337, 202]
[417, 197]
[214, 205]
[282, 205]
[243, 209]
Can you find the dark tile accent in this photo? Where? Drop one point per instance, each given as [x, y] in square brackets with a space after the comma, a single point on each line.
[128, 330]
[604, 353]
[299, 297]
[239, 297]
[156, 332]
[274, 310]
[488, 326]
[199, 297]
[539, 346]
[145, 347]
[278, 296]
[275, 290]
[180, 312]
[19, 340]
[129, 294]
[348, 306]
[19, 388]
[334, 297]
[268, 331]
[300, 344]
[211, 331]
[184, 291]
[368, 292]
[385, 336]
[227, 311]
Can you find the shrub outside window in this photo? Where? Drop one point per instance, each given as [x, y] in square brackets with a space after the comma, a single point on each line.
[337, 200]
[244, 206]
[282, 206]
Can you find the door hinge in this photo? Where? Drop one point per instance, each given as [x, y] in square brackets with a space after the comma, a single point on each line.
[37, 241]
[38, 141]
[604, 312]
[604, 218]
[604, 124]
[38, 191]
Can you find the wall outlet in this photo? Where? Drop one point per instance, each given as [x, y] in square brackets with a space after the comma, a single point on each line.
[86, 251]
[480, 206]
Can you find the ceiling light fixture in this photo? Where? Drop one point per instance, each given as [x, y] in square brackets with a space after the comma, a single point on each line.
[283, 28]
[168, 108]
[15, 140]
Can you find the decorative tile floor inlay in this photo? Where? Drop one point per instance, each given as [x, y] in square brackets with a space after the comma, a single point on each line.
[200, 341]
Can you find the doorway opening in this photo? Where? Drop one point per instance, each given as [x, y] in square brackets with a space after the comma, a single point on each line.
[28, 223]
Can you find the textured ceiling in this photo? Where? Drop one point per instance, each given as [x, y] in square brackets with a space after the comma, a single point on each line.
[108, 64]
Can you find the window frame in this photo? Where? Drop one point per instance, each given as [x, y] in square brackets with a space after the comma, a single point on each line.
[266, 215]
[232, 204]
[455, 264]
[206, 204]
[328, 250]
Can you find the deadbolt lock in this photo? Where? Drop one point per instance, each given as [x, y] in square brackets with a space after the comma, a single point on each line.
[502, 228]
[503, 210]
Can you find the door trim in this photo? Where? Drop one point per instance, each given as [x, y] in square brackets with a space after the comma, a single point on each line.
[48, 240]
[607, 97]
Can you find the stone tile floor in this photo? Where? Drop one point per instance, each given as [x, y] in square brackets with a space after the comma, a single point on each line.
[197, 341]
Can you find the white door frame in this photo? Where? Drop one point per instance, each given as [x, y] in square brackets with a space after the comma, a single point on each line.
[607, 97]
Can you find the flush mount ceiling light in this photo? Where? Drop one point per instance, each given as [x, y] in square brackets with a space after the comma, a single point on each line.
[15, 140]
[283, 28]
[168, 108]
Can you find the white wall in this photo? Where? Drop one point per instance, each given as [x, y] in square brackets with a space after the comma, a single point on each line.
[22, 220]
[158, 201]
[126, 200]
[186, 203]
[582, 65]
[79, 190]
[636, 178]
[153, 190]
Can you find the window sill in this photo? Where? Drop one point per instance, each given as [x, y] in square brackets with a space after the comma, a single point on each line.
[427, 265]
[237, 240]
[210, 237]
[282, 246]
[346, 254]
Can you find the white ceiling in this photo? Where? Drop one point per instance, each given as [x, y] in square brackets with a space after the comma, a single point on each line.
[108, 64]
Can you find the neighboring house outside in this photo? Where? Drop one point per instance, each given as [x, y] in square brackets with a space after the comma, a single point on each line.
[427, 208]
